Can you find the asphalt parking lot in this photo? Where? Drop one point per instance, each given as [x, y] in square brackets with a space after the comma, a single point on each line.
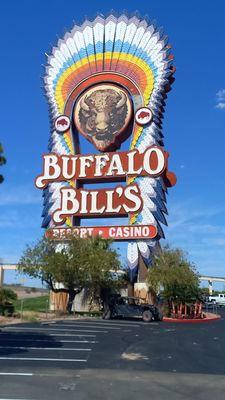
[119, 359]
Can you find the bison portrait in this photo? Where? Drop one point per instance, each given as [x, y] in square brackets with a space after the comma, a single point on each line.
[103, 114]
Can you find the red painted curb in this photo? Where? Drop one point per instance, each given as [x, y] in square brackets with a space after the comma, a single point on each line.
[191, 321]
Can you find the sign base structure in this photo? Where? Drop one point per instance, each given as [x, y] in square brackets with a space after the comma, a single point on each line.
[141, 291]
[106, 232]
[106, 82]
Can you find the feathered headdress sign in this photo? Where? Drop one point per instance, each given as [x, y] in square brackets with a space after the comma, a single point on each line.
[107, 80]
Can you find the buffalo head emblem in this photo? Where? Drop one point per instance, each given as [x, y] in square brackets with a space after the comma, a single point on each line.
[102, 114]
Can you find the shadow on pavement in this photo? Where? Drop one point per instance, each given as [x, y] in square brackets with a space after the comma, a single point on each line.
[17, 342]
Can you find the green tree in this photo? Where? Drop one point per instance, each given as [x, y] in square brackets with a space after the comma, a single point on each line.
[2, 162]
[76, 264]
[176, 275]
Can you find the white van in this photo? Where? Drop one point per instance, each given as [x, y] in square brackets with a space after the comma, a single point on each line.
[218, 299]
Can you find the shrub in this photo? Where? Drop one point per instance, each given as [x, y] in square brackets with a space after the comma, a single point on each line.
[7, 296]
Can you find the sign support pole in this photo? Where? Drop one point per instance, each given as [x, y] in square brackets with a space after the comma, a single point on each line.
[142, 270]
[142, 289]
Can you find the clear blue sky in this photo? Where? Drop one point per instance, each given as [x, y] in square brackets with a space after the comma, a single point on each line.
[193, 124]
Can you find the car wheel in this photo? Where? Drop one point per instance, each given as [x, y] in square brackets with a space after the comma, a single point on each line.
[106, 315]
[147, 316]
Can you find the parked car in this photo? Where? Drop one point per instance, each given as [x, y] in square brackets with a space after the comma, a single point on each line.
[119, 306]
[218, 299]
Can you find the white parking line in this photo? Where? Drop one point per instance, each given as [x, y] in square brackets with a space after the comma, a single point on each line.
[86, 325]
[48, 341]
[3, 335]
[9, 328]
[15, 374]
[105, 323]
[43, 359]
[78, 341]
[42, 348]
[63, 335]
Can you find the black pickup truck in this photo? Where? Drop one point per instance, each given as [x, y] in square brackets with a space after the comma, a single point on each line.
[129, 307]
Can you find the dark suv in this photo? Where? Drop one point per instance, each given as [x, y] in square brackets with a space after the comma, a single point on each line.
[119, 306]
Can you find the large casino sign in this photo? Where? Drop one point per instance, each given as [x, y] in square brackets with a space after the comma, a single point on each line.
[106, 82]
